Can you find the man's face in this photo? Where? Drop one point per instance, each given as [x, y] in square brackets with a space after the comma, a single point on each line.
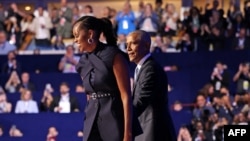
[135, 48]
[64, 89]
[25, 77]
[2, 38]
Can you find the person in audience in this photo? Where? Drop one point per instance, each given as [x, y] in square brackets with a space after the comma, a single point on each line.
[26, 83]
[68, 61]
[79, 88]
[200, 134]
[242, 79]
[80, 134]
[125, 20]
[184, 134]
[42, 26]
[26, 104]
[148, 21]
[222, 104]
[217, 128]
[5, 106]
[54, 16]
[240, 119]
[106, 81]
[87, 11]
[13, 26]
[1, 131]
[27, 29]
[76, 14]
[5, 46]
[216, 39]
[12, 64]
[208, 91]
[202, 110]
[46, 101]
[15, 132]
[185, 44]
[64, 28]
[241, 41]
[13, 82]
[220, 76]
[52, 134]
[169, 20]
[64, 103]
[238, 24]
[2, 16]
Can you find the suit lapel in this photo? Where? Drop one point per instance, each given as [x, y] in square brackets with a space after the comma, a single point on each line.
[139, 74]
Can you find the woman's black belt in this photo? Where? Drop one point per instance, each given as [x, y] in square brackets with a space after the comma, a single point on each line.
[99, 95]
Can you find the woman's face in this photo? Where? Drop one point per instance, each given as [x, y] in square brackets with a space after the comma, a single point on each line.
[81, 38]
[27, 95]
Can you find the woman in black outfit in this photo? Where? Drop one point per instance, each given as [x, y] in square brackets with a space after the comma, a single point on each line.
[105, 75]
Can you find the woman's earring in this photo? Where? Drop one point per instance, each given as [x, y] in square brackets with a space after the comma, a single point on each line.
[90, 40]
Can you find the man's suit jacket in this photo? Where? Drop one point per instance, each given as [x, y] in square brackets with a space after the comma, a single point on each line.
[246, 43]
[150, 100]
[30, 86]
[7, 70]
[73, 103]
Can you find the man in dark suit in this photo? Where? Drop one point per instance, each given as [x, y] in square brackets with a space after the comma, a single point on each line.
[64, 103]
[12, 64]
[26, 83]
[150, 91]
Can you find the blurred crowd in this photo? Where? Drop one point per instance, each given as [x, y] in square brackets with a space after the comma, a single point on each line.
[192, 28]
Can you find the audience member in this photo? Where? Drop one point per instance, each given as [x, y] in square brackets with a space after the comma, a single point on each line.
[26, 104]
[185, 44]
[1, 131]
[5, 106]
[68, 61]
[13, 24]
[5, 46]
[27, 29]
[148, 21]
[169, 20]
[241, 41]
[26, 83]
[87, 11]
[64, 103]
[52, 134]
[12, 64]
[80, 134]
[42, 26]
[47, 99]
[13, 82]
[242, 79]
[79, 88]
[220, 76]
[184, 134]
[202, 111]
[64, 27]
[15, 132]
[125, 20]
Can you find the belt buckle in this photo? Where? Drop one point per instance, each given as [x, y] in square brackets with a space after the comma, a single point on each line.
[94, 96]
